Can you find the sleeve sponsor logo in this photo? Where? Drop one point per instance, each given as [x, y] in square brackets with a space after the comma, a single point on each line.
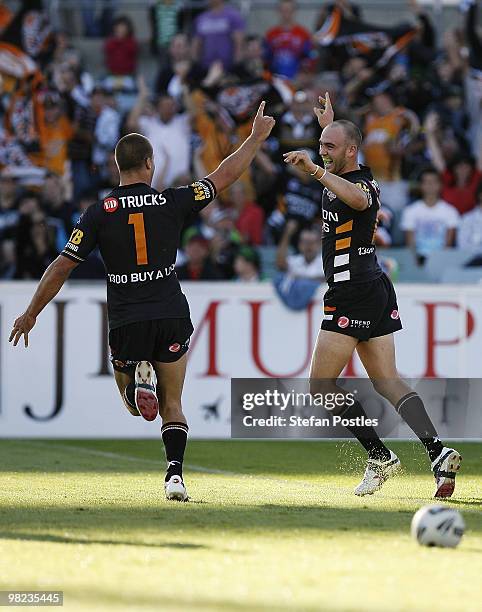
[364, 187]
[202, 191]
[111, 205]
[76, 237]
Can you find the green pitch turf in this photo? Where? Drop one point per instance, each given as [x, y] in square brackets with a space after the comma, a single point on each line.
[271, 526]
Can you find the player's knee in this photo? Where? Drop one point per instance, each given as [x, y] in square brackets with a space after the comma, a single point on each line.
[385, 386]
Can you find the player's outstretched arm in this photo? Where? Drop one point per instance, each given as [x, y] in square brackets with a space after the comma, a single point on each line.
[230, 169]
[349, 193]
[50, 284]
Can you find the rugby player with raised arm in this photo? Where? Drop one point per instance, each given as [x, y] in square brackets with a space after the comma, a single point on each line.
[138, 230]
[360, 305]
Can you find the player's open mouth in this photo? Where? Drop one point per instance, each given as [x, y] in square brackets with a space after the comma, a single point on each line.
[327, 161]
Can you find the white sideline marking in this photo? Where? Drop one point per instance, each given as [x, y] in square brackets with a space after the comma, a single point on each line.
[193, 468]
[108, 455]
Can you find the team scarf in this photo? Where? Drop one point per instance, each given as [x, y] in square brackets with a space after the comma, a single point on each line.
[379, 43]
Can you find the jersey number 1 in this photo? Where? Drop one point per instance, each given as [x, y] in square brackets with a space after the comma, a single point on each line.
[137, 220]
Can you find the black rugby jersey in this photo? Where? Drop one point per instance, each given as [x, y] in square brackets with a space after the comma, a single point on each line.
[138, 230]
[348, 247]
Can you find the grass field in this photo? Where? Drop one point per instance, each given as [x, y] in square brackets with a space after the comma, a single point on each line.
[271, 525]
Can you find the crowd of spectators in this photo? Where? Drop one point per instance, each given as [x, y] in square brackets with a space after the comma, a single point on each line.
[419, 110]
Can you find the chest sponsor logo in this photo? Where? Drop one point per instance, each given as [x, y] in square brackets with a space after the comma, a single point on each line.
[111, 205]
[327, 216]
[148, 199]
[330, 195]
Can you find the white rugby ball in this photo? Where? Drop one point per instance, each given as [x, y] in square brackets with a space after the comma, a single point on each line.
[436, 525]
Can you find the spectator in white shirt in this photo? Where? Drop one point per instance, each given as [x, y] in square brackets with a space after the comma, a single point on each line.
[307, 263]
[169, 133]
[470, 231]
[429, 223]
[107, 127]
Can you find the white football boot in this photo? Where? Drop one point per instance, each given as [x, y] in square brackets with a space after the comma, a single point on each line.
[376, 473]
[444, 469]
[145, 382]
[175, 489]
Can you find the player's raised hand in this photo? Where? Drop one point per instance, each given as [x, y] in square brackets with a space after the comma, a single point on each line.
[262, 125]
[301, 160]
[22, 327]
[142, 89]
[325, 114]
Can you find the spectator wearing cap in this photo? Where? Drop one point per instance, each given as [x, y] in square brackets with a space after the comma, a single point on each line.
[218, 35]
[168, 131]
[288, 43]
[225, 242]
[388, 130]
[469, 235]
[107, 128]
[247, 265]
[307, 262]
[198, 264]
[121, 48]
[429, 223]
[461, 178]
[55, 135]
[249, 216]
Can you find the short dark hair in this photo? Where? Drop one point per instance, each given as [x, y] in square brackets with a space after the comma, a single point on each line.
[428, 170]
[352, 131]
[126, 21]
[131, 152]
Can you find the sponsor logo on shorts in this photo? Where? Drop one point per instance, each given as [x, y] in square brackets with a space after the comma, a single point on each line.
[360, 324]
[395, 314]
[345, 322]
[111, 205]
[175, 348]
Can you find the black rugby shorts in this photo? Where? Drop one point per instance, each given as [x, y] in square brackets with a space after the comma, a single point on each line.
[164, 340]
[362, 310]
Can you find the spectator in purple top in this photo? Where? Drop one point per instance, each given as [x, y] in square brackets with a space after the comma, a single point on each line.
[218, 35]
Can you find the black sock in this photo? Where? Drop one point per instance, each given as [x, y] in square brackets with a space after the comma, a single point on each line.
[413, 412]
[129, 395]
[174, 436]
[365, 434]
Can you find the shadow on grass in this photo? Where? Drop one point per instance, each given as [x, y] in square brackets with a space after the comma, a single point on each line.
[200, 519]
[57, 539]
[114, 600]
[471, 501]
